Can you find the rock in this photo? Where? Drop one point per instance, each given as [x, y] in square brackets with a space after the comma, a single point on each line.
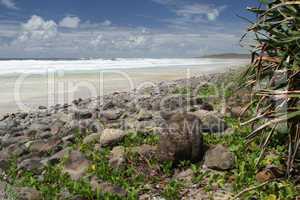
[111, 115]
[145, 197]
[196, 101]
[59, 156]
[236, 111]
[4, 164]
[76, 165]
[181, 138]
[7, 141]
[186, 176]
[65, 194]
[63, 117]
[121, 99]
[106, 187]
[83, 114]
[173, 102]
[76, 101]
[2, 190]
[38, 127]
[131, 107]
[2, 132]
[84, 126]
[9, 125]
[72, 125]
[212, 121]
[144, 115]
[3, 125]
[110, 137]
[46, 135]
[264, 176]
[57, 127]
[268, 173]
[95, 127]
[85, 103]
[42, 107]
[33, 165]
[156, 103]
[117, 157]
[22, 115]
[95, 137]
[206, 106]
[114, 125]
[151, 196]
[42, 147]
[219, 158]
[25, 193]
[144, 102]
[108, 104]
[16, 150]
[69, 138]
[202, 194]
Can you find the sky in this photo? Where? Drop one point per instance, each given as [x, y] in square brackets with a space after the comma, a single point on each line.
[121, 28]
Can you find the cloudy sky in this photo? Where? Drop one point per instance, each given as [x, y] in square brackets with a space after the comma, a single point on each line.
[120, 28]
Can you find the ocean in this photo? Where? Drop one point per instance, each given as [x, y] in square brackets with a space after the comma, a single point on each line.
[10, 67]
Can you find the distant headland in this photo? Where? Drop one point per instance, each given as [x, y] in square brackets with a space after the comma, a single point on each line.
[228, 56]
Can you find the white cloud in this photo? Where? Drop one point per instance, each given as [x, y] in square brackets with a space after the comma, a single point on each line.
[211, 12]
[70, 22]
[9, 4]
[41, 38]
[122, 42]
[137, 40]
[95, 25]
[106, 23]
[97, 41]
[191, 12]
[36, 28]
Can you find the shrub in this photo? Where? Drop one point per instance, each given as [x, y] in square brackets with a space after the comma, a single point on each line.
[275, 74]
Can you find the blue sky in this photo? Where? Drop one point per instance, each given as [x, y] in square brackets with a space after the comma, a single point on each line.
[120, 28]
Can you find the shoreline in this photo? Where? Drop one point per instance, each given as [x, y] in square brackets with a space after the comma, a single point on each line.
[179, 82]
[45, 137]
[36, 91]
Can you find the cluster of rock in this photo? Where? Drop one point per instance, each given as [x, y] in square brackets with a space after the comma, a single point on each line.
[44, 137]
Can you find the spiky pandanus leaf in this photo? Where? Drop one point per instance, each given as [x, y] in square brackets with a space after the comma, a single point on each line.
[275, 71]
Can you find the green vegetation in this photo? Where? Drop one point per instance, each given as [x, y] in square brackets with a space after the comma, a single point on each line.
[136, 139]
[54, 182]
[171, 190]
[246, 169]
[135, 180]
[275, 73]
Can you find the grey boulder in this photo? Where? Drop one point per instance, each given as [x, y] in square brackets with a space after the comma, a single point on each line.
[219, 158]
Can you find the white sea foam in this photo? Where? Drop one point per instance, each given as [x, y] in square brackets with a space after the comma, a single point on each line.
[44, 66]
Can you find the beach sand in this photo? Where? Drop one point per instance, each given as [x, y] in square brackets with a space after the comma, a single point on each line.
[28, 92]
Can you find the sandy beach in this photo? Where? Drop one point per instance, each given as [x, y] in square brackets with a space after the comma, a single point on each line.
[28, 91]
